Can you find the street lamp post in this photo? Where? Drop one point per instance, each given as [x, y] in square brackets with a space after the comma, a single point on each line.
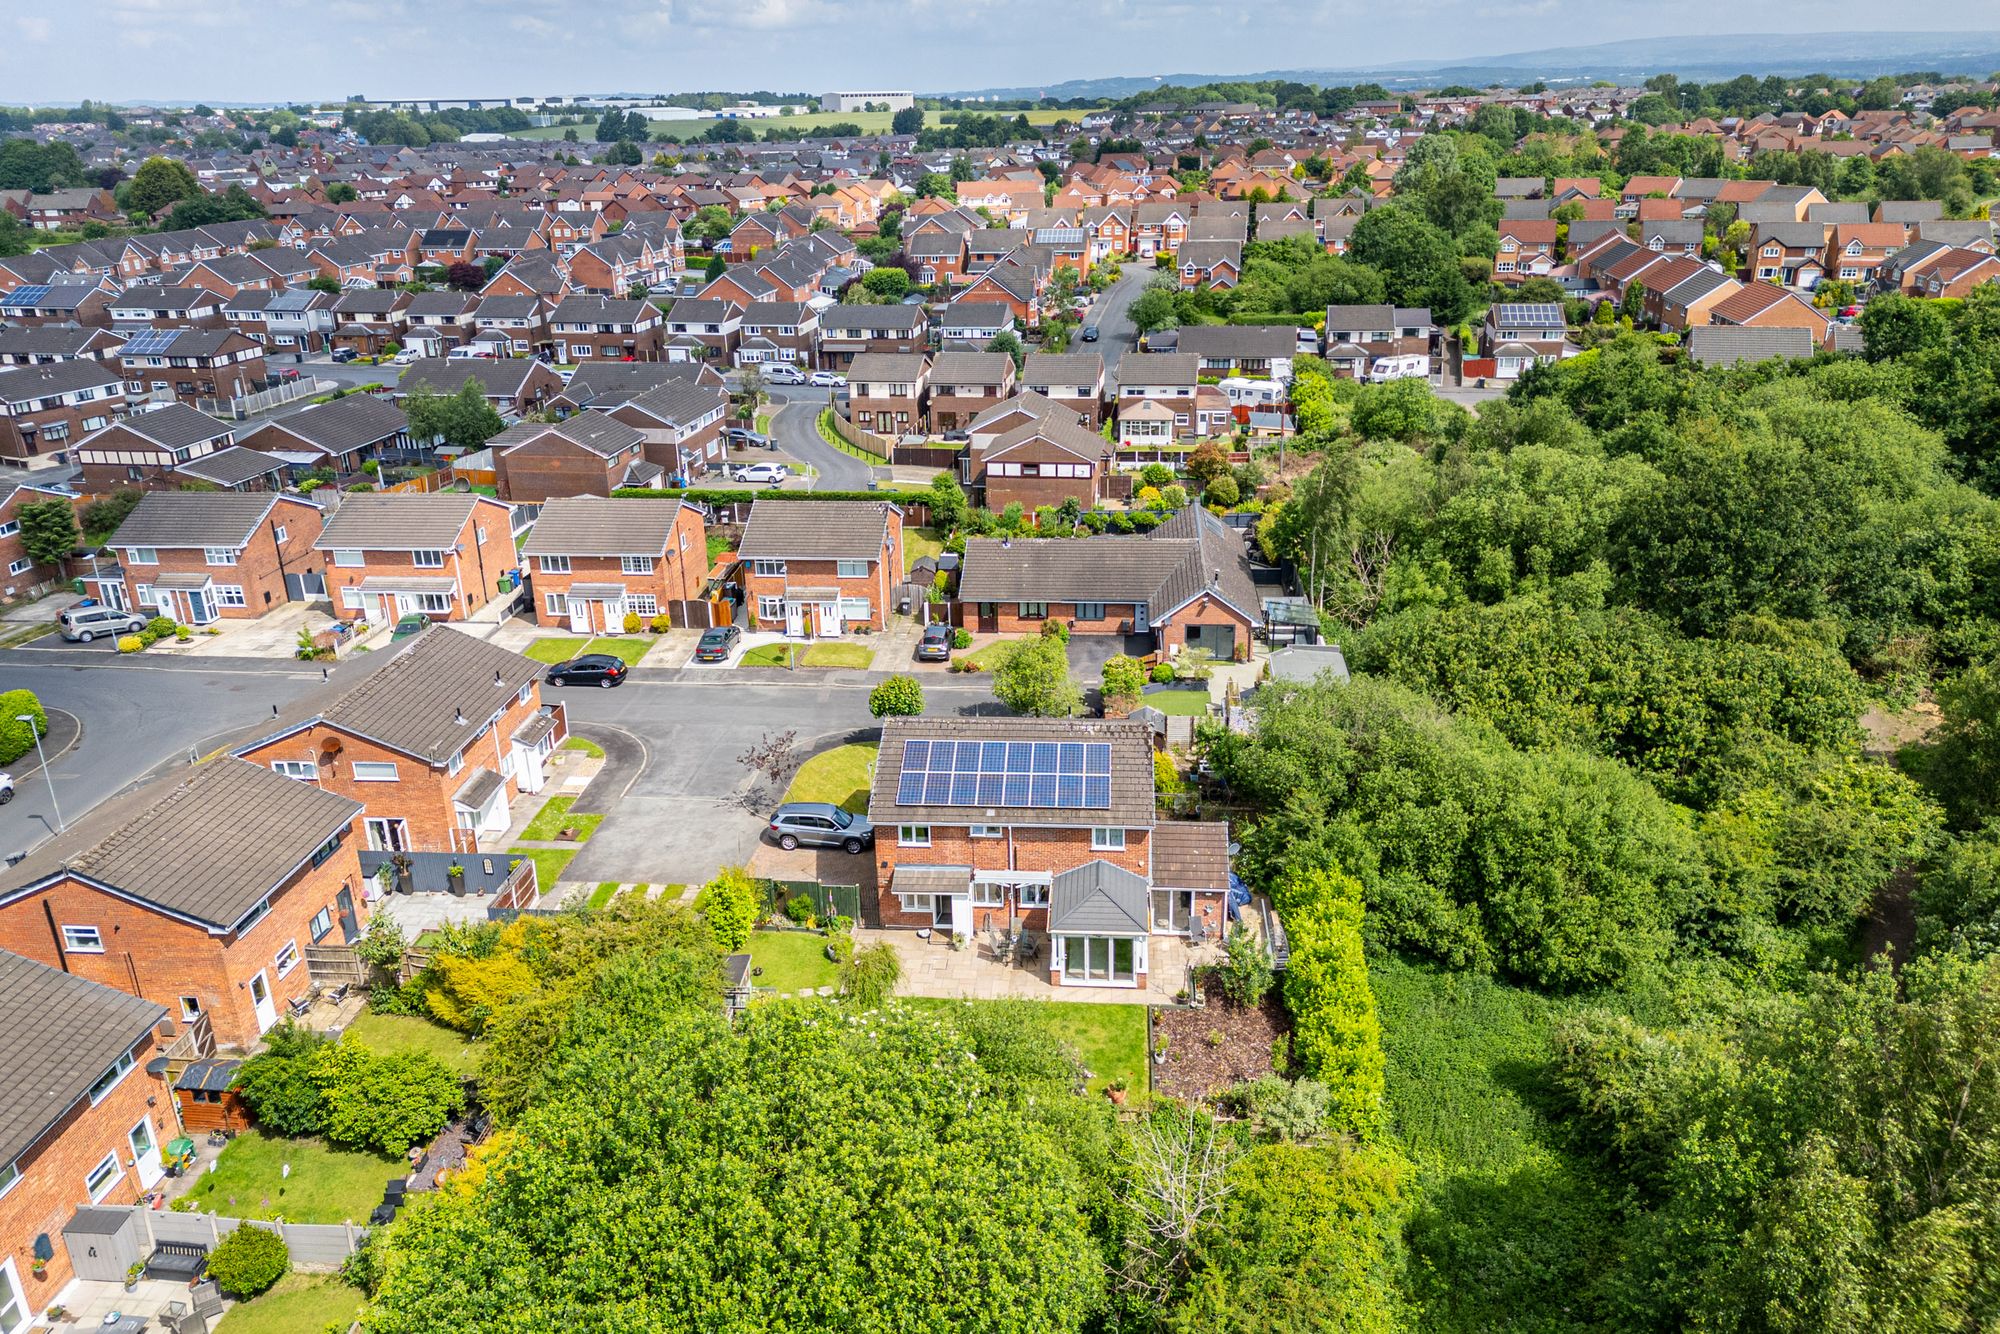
[43, 760]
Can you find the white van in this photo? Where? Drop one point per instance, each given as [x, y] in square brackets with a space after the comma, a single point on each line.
[1399, 368]
[473, 352]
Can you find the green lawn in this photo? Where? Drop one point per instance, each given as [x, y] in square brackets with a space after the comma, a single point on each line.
[562, 650]
[1110, 1040]
[392, 1034]
[590, 748]
[718, 546]
[554, 817]
[767, 655]
[918, 543]
[1178, 703]
[603, 894]
[549, 863]
[840, 775]
[791, 960]
[870, 122]
[990, 657]
[326, 1185]
[822, 654]
[299, 1304]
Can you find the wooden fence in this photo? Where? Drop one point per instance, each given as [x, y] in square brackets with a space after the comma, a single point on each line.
[875, 446]
[337, 965]
[828, 900]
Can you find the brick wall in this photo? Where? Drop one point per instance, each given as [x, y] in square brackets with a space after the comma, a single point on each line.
[147, 953]
[476, 567]
[1008, 620]
[550, 467]
[1206, 610]
[1031, 848]
[55, 1171]
[887, 416]
[677, 577]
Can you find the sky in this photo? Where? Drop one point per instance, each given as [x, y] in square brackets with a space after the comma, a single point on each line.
[246, 51]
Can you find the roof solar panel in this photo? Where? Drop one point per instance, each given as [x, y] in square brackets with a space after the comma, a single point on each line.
[1045, 757]
[910, 788]
[28, 294]
[1042, 791]
[1062, 775]
[1070, 759]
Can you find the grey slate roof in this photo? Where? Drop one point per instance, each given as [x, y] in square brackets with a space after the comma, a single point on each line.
[411, 698]
[341, 426]
[814, 530]
[1161, 368]
[1061, 368]
[175, 426]
[193, 519]
[1100, 899]
[971, 368]
[207, 843]
[232, 466]
[1131, 770]
[1239, 340]
[58, 1034]
[20, 383]
[1726, 345]
[594, 431]
[395, 522]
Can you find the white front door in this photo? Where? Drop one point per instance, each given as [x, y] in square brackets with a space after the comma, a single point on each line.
[579, 616]
[795, 620]
[528, 768]
[961, 915]
[112, 594]
[146, 1155]
[829, 619]
[260, 999]
[13, 1303]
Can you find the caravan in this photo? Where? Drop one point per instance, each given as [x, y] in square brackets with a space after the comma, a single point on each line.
[1399, 368]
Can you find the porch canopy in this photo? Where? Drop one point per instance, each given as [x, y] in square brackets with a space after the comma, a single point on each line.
[478, 790]
[933, 880]
[1099, 899]
[390, 583]
[187, 583]
[597, 592]
[812, 594]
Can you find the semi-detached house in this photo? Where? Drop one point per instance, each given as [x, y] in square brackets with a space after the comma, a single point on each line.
[198, 557]
[592, 562]
[44, 410]
[820, 568]
[440, 556]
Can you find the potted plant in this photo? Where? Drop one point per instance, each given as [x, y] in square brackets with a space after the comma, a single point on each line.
[1160, 1050]
[455, 879]
[38, 1266]
[132, 1274]
[1115, 1091]
[405, 883]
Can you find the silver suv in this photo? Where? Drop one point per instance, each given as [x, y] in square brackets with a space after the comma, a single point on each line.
[83, 624]
[820, 824]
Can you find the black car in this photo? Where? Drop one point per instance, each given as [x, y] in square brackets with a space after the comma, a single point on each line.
[717, 643]
[935, 646]
[592, 669]
[1090, 333]
[343, 354]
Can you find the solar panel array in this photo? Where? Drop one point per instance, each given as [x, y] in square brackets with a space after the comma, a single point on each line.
[1058, 775]
[1528, 312]
[149, 342]
[29, 294]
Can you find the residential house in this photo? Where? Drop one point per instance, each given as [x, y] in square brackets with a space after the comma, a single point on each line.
[522, 321]
[1050, 826]
[819, 568]
[198, 892]
[367, 320]
[198, 557]
[83, 1125]
[974, 323]
[431, 738]
[1357, 337]
[87, 303]
[703, 329]
[1731, 345]
[297, 321]
[779, 333]
[1074, 379]
[190, 365]
[1216, 264]
[440, 321]
[1044, 461]
[440, 555]
[39, 345]
[886, 390]
[45, 409]
[1527, 249]
[1519, 334]
[513, 385]
[342, 434]
[1764, 306]
[965, 384]
[1855, 251]
[680, 422]
[145, 448]
[1688, 303]
[1247, 349]
[1163, 383]
[167, 308]
[587, 454]
[850, 331]
[592, 562]
[606, 328]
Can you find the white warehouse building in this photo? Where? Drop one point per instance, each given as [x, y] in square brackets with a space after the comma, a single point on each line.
[862, 101]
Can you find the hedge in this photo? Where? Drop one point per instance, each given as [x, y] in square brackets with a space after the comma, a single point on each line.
[1336, 1034]
[725, 497]
[16, 739]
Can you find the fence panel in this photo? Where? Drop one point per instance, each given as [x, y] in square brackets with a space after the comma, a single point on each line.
[335, 964]
[319, 1245]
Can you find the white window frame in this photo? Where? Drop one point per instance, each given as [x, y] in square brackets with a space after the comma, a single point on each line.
[142, 555]
[99, 1193]
[1105, 838]
[114, 1075]
[429, 558]
[21, 566]
[770, 609]
[10, 1177]
[322, 922]
[553, 564]
[230, 595]
[349, 558]
[82, 940]
[851, 569]
[988, 894]
[218, 555]
[279, 532]
[635, 564]
[642, 604]
[352, 598]
[304, 771]
[769, 568]
[913, 835]
[1033, 893]
[987, 831]
[10, 527]
[370, 771]
[287, 957]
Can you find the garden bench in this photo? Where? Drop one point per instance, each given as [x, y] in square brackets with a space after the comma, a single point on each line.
[185, 1261]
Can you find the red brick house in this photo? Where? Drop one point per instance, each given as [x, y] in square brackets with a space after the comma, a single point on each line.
[588, 454]
[513, 385]
[847, 331]
[606, 329]
[433, 738]
[190, 364]
[818, 568]
[1045, 461]
[18, 571]
[965, 384]
[200, 556]
[1044, 825]
[198, 891]
[85, 1123]
[47, 409]
[145, 448]
[590, 561]
[680, 421]
[886, 391]
[393, 554]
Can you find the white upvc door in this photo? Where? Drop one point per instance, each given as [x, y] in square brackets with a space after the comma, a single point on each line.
[13, 1302]
[260, 1000]
[579, 616]
[795, 620]
[146, 1155]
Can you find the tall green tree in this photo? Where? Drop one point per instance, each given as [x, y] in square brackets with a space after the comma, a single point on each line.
[1034, 679]
[159, 184]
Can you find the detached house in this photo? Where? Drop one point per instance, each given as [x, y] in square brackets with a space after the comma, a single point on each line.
[846, 332]
[1516, 335]
[821, 567]
[19, 572]
[591, 562]
[430, 739]
[1045, 825]
[199, 557]
[198, 892]
[1073, 379]
[441, 555]
[1359, 339]
[46, 409]
[965, 384]
[1045, 461]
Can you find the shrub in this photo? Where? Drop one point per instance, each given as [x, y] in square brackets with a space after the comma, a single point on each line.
[1336, 1034]
[184, 633]
[1163, 673]
[731, 905]
[1245, 974]
[961, 637]
[661, 624]
[278, 1086]
[248, 1261]
[372, 467]
[899, 697]
[130, 643]
[869, 976]
[386, 1103]
[632, 622]
[16, 738]
[160, 626]
[1124, 678]
[1167, 779]
[1056, 630]
[463, 992]
[800, 909]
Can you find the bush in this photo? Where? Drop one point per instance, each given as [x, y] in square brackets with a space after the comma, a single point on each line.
[1245, 974]
[1167, 779]
[1163, 673]
[661, 624]
[1056, 630]
[632, 622]
[248, 1261]
[386, 1103]
[372, 467]
[801, 909]
[130, 643]
[1124, 677]
[278, 1086]
[462, 991]
[869, 976]
[731, 905]
[961, 637]
[899, 697]
[160, 626]
[184, 633]
[1336, 1034]
[17, 739]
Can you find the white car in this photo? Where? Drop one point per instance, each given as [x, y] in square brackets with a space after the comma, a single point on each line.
[6, 788]
[827, 380]
[764, 474]
[406, 357]
[783, 374]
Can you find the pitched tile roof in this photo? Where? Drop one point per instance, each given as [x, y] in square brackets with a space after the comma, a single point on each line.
[341, 426]
[1131, 770]
[395, 522]
[174, 426]
[815, 530]
[1190, 854]
[594, 526]
[193, 519]
[58, 1035]
[594, 431]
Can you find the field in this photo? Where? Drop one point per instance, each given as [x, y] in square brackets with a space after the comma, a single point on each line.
[871, 122]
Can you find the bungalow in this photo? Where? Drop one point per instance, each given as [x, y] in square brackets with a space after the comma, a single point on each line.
[592, 562]
[1765, 306]
[513, 385]
[393, 554]
[199, 557]
[1223, 349]
[819, 567]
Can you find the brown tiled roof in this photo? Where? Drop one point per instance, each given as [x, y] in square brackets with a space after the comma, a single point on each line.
[206, 843]
[58, 1034]
[1191, 855]
[594, 526]
[1131, 771]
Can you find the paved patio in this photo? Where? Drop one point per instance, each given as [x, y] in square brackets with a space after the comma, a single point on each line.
[933, 968]
[92, 1302]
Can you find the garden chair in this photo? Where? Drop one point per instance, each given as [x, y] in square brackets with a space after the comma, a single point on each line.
[207, 1298]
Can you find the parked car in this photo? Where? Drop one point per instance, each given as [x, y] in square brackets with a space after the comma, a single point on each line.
[405, 357]
[592, 669]
[408, 625]
[820, 824]
[783, 374]
[1089, 333]
[473, 352]
[935, 644]
[764, 474]
[717, 643]
[344, 354]
[747, 438]
[6, 788]
[80, 625]
[827, 380]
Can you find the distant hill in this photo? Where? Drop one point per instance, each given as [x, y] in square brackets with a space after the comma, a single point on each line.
[1858, 55]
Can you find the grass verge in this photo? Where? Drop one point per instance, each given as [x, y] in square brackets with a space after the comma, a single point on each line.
[549, 863]
[298, 1304]
[563, 649]
[832, 437]
[590, 748]
[603, 894]
[840, 776]
[326, 1185]
[554, 817]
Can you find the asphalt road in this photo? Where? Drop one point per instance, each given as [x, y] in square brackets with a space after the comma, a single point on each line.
[135, 719]
[796, 427]
[1112, 318]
